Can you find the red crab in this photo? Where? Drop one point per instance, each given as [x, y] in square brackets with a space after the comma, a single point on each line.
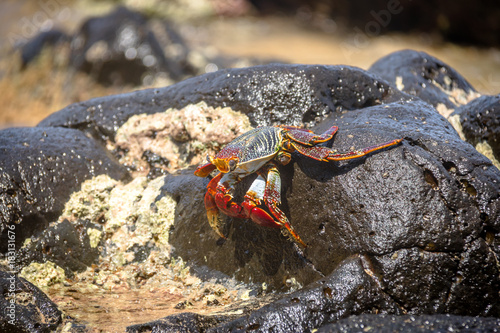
[260, 150]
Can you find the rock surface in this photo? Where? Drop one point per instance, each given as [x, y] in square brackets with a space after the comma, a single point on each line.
[419, 74]
[348, 290]
[25, 308]
[128, 48]
[480, 124]
[167, 141]
[39, 169]
[408, 323]
[120, 48]
[182, 323]
[268, 94]
[32, 48]
[65, 244]
[413, 210]
[411, 229]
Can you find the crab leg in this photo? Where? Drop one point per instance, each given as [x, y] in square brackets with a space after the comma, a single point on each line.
[253, 198]
[218, 197]
[309, 138]
[270, 192]
[272, 198]
[325, 154]
[225, 203]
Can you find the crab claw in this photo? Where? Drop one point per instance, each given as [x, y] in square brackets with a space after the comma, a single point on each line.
[213, 213]
[204, 170]
[261, 217]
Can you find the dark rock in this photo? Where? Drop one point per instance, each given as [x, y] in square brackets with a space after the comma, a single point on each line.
[33, 47]
[120, 48]
[408, 323]
[418, 211]
[25, 308]
[39, 169]
[424, 203]
[480, 120]
[268, 94]
[65, 244]
[414, 210]
[455, 21]
[179, 323]
[424, 76]
[476, 286]
[348, 290]
[424, 216]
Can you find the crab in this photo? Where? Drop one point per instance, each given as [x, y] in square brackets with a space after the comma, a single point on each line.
[262, 150]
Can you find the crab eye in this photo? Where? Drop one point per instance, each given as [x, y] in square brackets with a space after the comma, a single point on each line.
[208, 159]
[232, 164]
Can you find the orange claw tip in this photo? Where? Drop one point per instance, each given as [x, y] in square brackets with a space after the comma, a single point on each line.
[215, 221]
[298, 240]
[204, 170]
[295, 236]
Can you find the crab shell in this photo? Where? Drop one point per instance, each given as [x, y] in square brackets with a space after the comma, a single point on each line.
[249, 152]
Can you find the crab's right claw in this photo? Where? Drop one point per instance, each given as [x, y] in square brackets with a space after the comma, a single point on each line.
[204, 170]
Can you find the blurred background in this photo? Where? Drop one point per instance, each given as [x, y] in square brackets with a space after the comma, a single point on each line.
[57, 52]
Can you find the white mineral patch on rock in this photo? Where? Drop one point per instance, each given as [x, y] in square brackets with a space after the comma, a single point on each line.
[485, 149]
[179, 137]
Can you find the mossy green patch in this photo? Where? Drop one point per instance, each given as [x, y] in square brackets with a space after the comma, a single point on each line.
[43, 274]
[92, 201]
[95, 236]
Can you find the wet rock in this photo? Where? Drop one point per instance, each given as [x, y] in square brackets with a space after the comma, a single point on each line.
[268, 94]
[39, 169]
[414, 210]
[180, 323]
[419, 74]
[33, 48]
[25, 308]
[393, 204]
[120, 48]
[408, 323]
[422, 218]
[126, 47]
[479, 123]
[250, 253]
[66, 244]
[348, 290]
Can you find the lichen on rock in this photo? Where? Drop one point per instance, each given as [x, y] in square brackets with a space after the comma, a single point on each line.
[140, 206]
[94, 236]
[92, 201]
[43, 274]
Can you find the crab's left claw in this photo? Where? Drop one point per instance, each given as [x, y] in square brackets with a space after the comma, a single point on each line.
[213, 213]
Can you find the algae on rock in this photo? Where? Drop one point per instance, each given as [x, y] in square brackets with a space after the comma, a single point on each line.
[43, 274]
